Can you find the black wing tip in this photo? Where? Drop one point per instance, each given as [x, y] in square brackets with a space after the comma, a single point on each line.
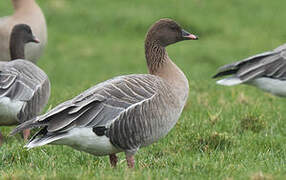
[15, 131]
[225, 73]
[215, 76]
[26, 125]
[18, 129]
[221, 73]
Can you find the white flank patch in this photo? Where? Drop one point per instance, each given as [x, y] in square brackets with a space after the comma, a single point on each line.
[230, 81]
[274, 86]
[9, 110]
[84, 139]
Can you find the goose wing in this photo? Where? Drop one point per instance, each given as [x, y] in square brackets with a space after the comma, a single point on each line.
[21, 79]
[270, 64]
[97, 106]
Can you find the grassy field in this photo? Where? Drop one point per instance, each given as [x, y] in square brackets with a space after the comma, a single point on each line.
[223, 133]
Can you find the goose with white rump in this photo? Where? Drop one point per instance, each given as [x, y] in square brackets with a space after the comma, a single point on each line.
[25, 12]
[125, 113]
[266, 71]
[24, 87]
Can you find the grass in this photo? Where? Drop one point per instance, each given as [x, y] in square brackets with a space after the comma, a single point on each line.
[223, 132]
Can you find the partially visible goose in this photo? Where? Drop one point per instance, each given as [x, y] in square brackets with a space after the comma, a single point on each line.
[25, 12]
[124, 113]
[24, 87]
[266, 71]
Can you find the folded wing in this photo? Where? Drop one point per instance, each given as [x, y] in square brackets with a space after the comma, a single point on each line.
[97, 106]
[270, 64]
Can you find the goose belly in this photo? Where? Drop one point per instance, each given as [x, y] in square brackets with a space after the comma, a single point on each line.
[84, 139]
[274, 86]
[9, 110]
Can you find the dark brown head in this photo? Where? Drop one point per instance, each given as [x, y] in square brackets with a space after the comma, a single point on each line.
[167, 31]
[20, 35]
[23, 32]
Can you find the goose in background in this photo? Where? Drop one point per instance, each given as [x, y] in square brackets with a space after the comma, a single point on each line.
[25, 12]
[266, 71]
[24, 87]
[125, 113]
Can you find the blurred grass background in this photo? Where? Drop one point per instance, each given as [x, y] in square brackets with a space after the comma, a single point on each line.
[223, 133]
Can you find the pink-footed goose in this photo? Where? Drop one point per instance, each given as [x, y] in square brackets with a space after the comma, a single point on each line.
[24, 87]
[266, 71]
[25, 12]
[125, 113]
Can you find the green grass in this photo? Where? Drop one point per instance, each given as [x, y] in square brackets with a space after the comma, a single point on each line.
[223, 133]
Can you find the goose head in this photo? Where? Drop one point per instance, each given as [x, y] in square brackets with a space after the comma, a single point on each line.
[20, 35]
[167, 31]
[23, 33]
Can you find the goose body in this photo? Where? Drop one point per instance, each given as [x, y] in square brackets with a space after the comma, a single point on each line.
[135, 100]
[122, 114]
[266, 71]
[24, 91]
[26, 12]
[24, 87]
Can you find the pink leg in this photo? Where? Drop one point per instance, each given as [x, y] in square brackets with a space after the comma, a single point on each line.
[26, 134]
[1, 139]
[113, 160]
[130, 160]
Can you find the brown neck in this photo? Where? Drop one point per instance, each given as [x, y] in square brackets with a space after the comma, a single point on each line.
[161, 65]
[17, 50]
[23, 4]
[155, 54]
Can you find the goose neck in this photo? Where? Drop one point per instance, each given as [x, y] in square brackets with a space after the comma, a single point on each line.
[17, 50]
[156, 55]
[159, 64]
